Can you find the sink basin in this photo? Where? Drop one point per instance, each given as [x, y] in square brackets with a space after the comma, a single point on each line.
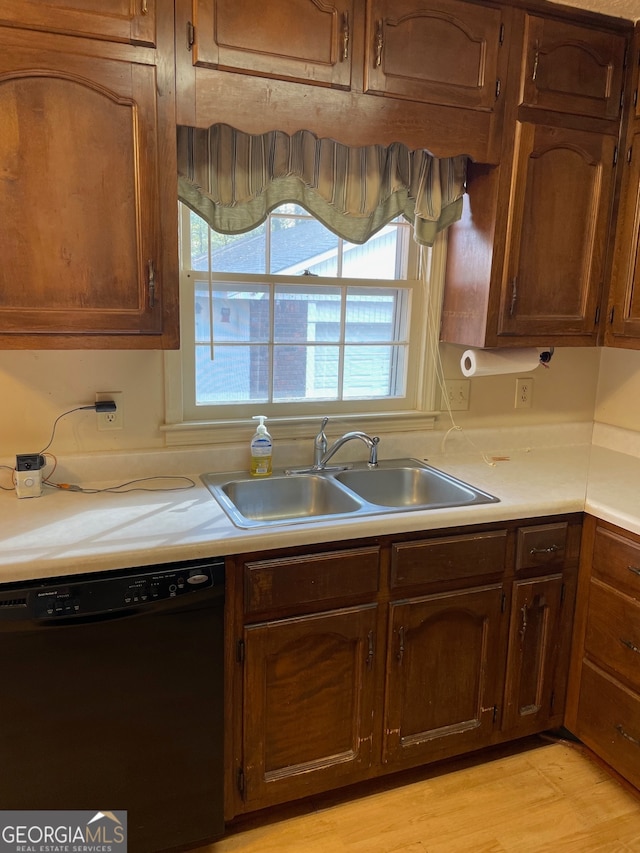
[397, 485]
[280, 499]
[410, 487]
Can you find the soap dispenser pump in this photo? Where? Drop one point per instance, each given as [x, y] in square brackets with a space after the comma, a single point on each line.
[261, 449]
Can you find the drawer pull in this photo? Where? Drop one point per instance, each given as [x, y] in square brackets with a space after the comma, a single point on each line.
[550, 550]
[630, 645]
[626, 735]
[370, 652]
[634, 569]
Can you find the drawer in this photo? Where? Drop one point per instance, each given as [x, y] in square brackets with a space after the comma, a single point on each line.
[616, 560]
[541, 545]
[609, 721]
[310, 578]
[448, 558]
[613, 632]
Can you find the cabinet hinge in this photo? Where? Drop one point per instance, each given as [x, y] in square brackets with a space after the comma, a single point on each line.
[498, 88]
[503, 602]
[597, 318]
[501, 38]
[635, 97]
[191, 35]
[563, 591]
[240, 781]
[624, 58]
[629, 153]
[495, 713]
[615, 155]
[611, 313]
[240, 651]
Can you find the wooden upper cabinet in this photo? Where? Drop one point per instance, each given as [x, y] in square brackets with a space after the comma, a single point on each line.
[436, 51]
[79, 192]
[304, 40]
[558, 231]
[571, 68]
[116, 20]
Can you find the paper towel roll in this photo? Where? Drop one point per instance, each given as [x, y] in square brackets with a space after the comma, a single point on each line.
[485, 362]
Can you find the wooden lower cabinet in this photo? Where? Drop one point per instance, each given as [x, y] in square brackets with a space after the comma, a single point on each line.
[309, 719]
[445, 670]
[603, 705]
[353, 660]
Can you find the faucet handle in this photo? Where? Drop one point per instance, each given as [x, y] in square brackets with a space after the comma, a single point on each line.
[320, 443]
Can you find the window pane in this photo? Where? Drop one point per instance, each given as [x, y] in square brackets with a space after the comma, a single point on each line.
[238, 253]
[238, 315]
[371, 315]
[377, 258]
[306, 373]
[304, 313]
[374, 371]
[299, 244]
[236, 374]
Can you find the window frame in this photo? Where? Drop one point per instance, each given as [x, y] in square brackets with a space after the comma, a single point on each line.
[299, 419]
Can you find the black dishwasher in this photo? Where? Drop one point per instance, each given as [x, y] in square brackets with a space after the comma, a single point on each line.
[112, 698]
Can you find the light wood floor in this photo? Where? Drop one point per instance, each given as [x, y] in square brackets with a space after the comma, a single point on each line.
[550, 797]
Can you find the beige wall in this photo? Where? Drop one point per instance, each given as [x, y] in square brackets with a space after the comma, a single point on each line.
[36, 387]
[618, 393]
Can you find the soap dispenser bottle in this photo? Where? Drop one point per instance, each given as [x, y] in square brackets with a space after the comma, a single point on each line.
[261, 449]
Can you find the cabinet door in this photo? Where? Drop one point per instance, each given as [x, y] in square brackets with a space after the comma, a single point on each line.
[624, 309]
[118, 20]
[534, 655]
[437, 51]
[305, 40]
[308, 703]
[78, 191]
[572, 68]
[561, 198]
[444, 675]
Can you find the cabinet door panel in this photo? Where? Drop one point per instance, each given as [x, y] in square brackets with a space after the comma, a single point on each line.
[117, 20]
[534, 639]
[437, 51]
[573, 69]
[308, 699]
[560, 211]
[444, 674]
[306, 40]
[79, 191]
[625, 317]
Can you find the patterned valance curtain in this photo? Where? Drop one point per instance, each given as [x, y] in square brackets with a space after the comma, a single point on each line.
[233, 180]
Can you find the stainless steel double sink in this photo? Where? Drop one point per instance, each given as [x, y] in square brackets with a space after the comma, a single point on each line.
[396, 485]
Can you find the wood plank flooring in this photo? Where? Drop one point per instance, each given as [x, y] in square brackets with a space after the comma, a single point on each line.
[541, 797]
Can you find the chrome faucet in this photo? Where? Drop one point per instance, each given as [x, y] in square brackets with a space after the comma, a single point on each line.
[372, 444]
[320, 443]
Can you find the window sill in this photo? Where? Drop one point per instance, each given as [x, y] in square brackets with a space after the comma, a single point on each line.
[227, 431]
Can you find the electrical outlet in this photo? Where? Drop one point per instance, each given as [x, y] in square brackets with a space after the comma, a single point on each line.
[457, 392]
[524, 393]
[110, 420]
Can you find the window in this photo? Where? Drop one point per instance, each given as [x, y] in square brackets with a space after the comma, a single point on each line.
[290, 320]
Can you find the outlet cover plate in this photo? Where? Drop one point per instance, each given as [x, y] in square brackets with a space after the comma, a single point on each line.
[110, 420]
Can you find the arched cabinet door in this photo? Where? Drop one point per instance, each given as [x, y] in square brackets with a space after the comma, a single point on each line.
[310, 41]
[436, 51]
[131, 21]
[79, 193]
[557, 232]
[572, 69]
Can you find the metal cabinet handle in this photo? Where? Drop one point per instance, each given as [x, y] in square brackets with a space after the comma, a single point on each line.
[143, 7]
[630, 645]
[151, 281]
[514, 295]
[550, 550]
[626, 735]
[523, 624]
[400, 645]
[634, 569]
[345, 36]
[536, 59]
[379, 44]
[370, 652]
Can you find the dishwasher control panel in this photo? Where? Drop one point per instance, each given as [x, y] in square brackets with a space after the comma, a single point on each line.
[109, 592]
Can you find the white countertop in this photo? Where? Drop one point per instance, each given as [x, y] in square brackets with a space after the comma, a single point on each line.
[69, 532]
